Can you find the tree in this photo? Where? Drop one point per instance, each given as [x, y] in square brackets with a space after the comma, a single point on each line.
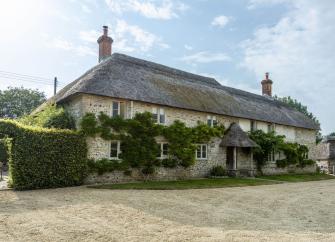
[18, 101]
[331, 134]
[294, 103]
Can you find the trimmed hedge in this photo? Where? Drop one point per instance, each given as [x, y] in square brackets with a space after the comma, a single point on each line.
[44, 158]
[3, 152]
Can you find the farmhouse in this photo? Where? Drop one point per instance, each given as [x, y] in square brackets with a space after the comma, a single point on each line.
[123, 85]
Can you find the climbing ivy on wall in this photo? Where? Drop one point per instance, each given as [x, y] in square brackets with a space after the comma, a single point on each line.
[138, 144]
[296, 154]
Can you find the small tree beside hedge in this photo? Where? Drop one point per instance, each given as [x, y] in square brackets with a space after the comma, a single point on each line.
[44, 158]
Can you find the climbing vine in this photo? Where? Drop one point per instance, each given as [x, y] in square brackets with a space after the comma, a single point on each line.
[269, 143]
[138, 144]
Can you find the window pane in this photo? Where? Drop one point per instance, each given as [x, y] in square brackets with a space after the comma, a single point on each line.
[115, 109]
[113, 150]
[165, 149]
[198, 151]
[209, 122]
[204, 152]
[162, 118]
[155, 117]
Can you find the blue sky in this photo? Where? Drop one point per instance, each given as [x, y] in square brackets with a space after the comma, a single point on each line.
[235, 41]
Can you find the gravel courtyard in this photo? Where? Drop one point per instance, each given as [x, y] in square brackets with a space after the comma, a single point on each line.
[284, 212]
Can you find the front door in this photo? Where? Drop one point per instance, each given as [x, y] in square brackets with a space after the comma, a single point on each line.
[230, 158]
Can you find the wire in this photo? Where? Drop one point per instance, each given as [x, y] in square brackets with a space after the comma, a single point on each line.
[25, 76]
[29, 78]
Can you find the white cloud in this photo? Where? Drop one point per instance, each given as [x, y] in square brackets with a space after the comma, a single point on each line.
[89, 36]
[299, 51]
[62, 44]
[221, 21]
[167, 9]
[188, 47]
[127, 38]
[131, 37]
[206, 57]
[85, 8]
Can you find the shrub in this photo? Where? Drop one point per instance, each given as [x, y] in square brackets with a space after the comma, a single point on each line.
[306, 162]
[169, 163]
[52, 116]
[282, 163]
[44, 158]
[218, 171]
[148, 170]
[105, 165]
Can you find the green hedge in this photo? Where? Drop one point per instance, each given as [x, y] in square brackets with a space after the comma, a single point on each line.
[44, 158]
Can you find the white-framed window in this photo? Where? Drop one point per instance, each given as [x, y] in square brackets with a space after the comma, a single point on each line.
[253, 125]
[212, 121]
[201, 152]
[271, 127]
[158, 115]
[164, 150]
[114, 149]
[118, 109]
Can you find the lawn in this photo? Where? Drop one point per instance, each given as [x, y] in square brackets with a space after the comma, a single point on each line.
[214, 183]
[298, 177]
[188, 184]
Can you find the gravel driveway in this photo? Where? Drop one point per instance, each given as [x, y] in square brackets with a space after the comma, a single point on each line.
[284, 212]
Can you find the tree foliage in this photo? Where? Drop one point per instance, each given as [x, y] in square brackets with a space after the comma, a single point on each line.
[294, 103]
[18, 101]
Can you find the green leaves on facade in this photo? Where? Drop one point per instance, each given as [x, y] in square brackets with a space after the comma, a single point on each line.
[138, 145]
[270, 143]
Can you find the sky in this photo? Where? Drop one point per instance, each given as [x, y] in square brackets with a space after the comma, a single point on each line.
[234, 41]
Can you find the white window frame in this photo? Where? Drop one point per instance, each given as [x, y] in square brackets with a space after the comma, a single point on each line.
[212, 119]
[119, 103]
[162, 156]
[253, 125]
[159, 111]
[271, 127]
[118, 149]
[201, 151]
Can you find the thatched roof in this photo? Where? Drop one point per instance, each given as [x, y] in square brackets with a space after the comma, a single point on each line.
[125, 77]
[236, 137]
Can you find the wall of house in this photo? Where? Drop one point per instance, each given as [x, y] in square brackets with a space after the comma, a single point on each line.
[99, 148]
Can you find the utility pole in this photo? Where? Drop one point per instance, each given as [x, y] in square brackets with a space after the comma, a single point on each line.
[55, 85]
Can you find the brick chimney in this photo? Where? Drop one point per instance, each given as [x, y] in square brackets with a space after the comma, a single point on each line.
[267, 86]
[105, 45]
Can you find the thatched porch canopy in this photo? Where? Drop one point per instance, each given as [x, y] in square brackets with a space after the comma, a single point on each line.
[236, 137]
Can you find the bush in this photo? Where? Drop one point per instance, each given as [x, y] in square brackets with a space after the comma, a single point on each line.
[148, 170]
[105, 165]
[282, 163]
[52, 116]
[306, 162]
[218, 171]
[44, 158]
[169, 163]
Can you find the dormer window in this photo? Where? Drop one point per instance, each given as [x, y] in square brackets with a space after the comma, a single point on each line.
[211, 121]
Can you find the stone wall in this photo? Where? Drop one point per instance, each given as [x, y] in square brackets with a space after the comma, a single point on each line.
[99, 148]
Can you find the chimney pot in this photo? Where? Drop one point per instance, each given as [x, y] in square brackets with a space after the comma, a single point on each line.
[105, 44]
